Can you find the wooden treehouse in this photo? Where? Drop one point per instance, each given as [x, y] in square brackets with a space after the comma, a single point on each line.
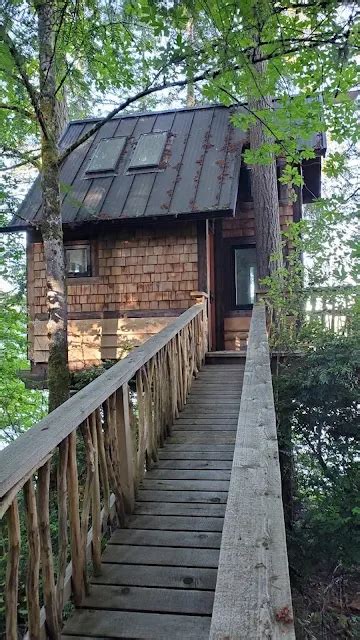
[151, 499]
[155, 207]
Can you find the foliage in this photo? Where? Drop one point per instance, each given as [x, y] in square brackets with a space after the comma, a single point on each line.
[20, 408]
[316, 388]
[318, 394]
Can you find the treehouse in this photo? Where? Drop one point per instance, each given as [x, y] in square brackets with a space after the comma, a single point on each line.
[156, 207]
[164, 469]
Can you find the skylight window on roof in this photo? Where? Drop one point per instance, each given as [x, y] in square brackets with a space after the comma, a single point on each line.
[149, 150]
[106, 155]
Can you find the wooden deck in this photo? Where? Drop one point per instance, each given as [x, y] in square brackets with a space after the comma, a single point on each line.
[159, 574]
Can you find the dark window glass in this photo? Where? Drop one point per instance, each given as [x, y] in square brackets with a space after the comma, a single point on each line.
[245, 276]
[106, 155]
[244, 194]
[149, 150]
[77, 259]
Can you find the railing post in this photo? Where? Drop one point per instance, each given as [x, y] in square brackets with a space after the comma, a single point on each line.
[125, 447]
[12, 571]
[201, 297]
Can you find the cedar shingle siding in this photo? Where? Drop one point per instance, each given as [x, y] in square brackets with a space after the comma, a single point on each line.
[147, 270]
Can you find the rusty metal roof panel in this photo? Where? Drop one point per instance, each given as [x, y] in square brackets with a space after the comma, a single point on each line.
[197, 174]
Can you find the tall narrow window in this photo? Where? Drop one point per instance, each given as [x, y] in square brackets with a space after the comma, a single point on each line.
[245, 276]
[149, 150]
[77, 260]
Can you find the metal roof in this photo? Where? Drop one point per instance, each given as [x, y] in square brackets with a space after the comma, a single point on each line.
[198, 173]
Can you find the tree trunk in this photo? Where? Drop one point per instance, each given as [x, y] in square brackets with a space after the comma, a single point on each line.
[190, 88]
[264, 188]
[51, 226]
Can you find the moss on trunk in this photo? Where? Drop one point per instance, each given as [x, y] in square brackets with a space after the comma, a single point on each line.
[51, 226]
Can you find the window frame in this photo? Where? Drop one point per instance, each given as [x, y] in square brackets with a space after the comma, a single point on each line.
[234, 248]
[68, 246]
[148, 167]
[95, 171]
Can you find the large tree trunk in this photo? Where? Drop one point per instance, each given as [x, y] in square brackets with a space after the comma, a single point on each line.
[264, 188]
[51, 227]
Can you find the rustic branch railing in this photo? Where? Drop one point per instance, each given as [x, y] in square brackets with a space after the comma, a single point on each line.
[84, 461]
[253, 597]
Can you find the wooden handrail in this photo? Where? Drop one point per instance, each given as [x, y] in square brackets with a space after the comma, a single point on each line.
[120, 432]
[32, 447]
[253, 597]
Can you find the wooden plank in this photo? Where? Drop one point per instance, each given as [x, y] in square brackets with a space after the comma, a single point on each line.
[185, 509]
[199, 408]
[225, 377]
[130, 625]
[213, 399]
[206, 392]
[149, 538]
[185, 485]
[183, 496]
[202, 437]
[253, 580]
[194, 464]
[192, 453]
[205, 426]
[204, 447]
[153, 576]
[188, 474]
[104, 597]
[203, 421]
[174, 523]
[126, 554]
[26, 453]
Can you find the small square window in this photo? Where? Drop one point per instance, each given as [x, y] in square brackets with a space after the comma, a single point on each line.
[106, 155]
[77, 260]
[149, 150]
[245, 276]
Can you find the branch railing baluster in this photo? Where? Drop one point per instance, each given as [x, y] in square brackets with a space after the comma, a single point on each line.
[97, 446]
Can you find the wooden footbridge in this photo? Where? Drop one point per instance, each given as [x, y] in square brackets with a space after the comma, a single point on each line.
[151, 500]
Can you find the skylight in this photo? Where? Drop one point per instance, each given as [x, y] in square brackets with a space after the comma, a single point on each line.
[106, 155]
[149, 150]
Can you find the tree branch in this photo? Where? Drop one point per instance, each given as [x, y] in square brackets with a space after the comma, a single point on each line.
[14, 107]
[18, 61]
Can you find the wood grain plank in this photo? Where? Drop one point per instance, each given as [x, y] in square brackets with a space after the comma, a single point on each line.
[156, 600]
[154, 576]
[174, 523]
[188, 474]
[205, 426]
[197, 510]
[203, 409]
[206, 448]
[194, 464]
[194, 422]
[211, 399]
[131, 554]
[185, 485]
[202, 437]
[140, 626]
[190, 454]
[215, 497]
[178, 539]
